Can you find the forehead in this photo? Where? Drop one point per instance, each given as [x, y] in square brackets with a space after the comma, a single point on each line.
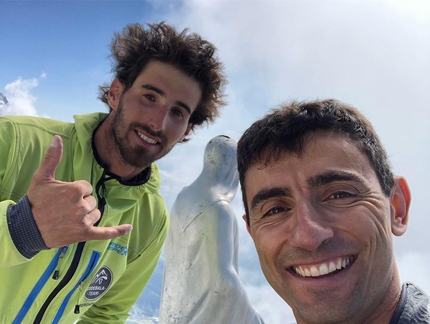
[323, 152]
[163, 71]
[172, 82]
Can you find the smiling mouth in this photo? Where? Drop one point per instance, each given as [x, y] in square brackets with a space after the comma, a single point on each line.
[146, 138]
[324, 268]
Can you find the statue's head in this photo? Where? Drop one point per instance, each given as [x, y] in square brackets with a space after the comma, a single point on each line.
[219, 164]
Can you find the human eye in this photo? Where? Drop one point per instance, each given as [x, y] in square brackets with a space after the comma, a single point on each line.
[178, 112]
[275, 211]
[149, 96]
[341, 195]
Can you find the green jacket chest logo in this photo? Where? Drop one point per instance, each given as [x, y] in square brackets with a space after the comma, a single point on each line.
[118, 248]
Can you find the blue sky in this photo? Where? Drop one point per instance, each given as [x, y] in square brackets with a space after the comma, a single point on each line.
[66, 40]
[374, 55]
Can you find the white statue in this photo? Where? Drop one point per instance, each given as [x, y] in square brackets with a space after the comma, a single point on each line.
[201, 282]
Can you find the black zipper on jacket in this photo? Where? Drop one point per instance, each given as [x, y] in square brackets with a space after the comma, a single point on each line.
[78, 253]
[63, 282]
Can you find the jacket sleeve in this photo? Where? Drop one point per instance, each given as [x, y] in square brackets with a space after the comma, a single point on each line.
[114, 307]
[10, 255]
[17, 226]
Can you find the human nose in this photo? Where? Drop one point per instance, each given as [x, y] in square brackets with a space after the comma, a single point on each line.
[310, 229]
[158, 118]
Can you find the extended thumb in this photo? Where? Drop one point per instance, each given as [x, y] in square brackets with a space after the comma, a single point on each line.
[52, 158]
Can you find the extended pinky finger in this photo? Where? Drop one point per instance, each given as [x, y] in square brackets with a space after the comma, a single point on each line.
[107, 233]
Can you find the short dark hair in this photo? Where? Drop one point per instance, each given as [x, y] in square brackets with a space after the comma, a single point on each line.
[136, 47]
[284, 129]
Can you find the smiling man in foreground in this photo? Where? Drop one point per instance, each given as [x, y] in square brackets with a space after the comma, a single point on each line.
[321, 205]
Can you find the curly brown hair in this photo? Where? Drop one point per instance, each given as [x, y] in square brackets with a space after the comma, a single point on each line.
[136, 47]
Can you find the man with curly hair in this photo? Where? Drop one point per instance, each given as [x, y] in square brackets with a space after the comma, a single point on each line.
[322, 205]
[82, 223]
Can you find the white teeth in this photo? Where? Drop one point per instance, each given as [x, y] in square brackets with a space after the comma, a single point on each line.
[323, 269]
[301, 272]
[147, 139]
[339, 264]
[332, 267]
[314, 272]
[347, 262]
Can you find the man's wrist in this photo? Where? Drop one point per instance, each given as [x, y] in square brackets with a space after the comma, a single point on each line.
[23, 229]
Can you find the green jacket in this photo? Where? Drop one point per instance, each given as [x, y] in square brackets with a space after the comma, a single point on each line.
[99, 279]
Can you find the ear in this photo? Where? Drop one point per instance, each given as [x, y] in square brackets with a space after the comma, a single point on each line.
[190, 127]
[400, 202]
[246, 222]
[115, 91]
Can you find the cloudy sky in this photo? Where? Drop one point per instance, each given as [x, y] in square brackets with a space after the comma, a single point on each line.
[374, 55]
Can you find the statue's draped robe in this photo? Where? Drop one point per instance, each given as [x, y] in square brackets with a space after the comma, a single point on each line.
[201, 283]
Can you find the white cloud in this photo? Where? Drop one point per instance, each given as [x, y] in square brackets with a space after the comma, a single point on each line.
[21, 101]
[413, 266]
[417, 9]
[43, 75]
[269, 305]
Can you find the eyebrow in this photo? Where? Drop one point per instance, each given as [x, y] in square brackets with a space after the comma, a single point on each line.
[332, 176]
[266, 194]
[162, 93]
